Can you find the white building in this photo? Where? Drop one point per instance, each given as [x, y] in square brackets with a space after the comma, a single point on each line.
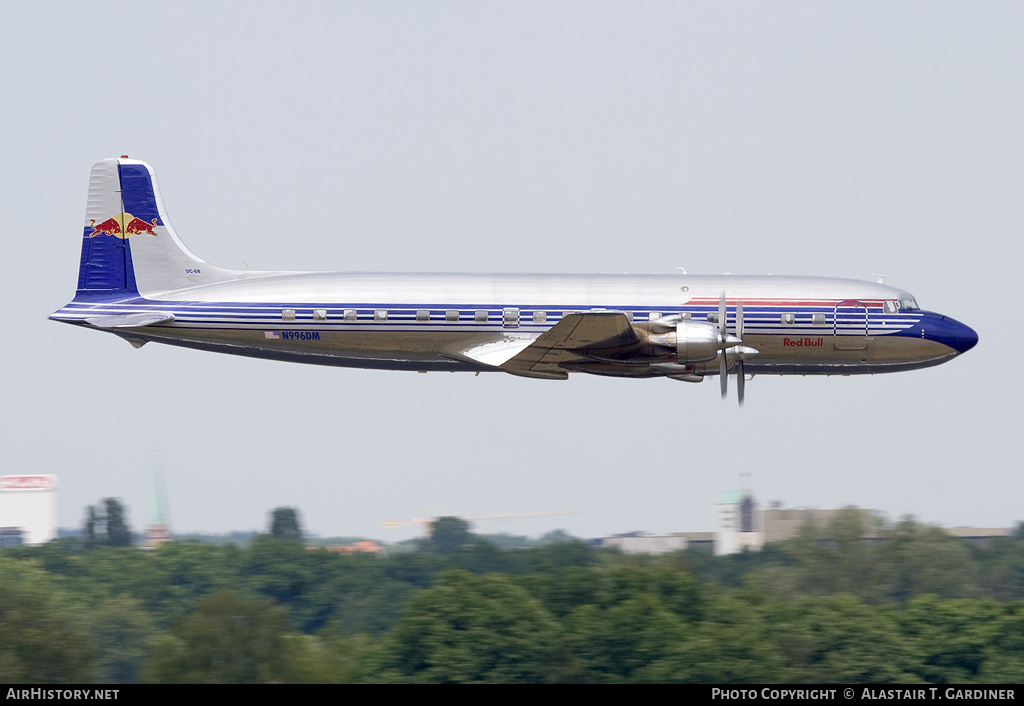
[738, 524]
[29, 503]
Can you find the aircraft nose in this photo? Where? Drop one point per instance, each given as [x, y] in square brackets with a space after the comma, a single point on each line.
[954, 334]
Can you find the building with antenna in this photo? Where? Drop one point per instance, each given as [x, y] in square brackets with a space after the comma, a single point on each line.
[738, 524]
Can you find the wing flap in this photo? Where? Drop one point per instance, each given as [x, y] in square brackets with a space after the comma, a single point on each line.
[494, 353]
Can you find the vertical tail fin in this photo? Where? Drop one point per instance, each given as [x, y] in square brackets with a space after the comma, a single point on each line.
[128, 246]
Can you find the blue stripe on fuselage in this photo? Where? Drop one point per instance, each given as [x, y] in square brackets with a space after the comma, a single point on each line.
[764, 320]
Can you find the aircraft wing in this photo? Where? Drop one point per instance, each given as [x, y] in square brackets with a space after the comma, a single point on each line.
[569, 340]
[540, 356]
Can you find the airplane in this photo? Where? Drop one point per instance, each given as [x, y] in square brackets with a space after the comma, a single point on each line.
[138, 281]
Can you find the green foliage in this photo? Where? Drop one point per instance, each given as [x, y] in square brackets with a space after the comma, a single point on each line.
[107, 525]
[824, 607]
[618, 642]
[837, 560]
[1003, 656]
[310, 659]
[471, 629]
[42, 638]
[735, 643]
[284, 524]
[120, 631]
[279, 569]
[926, 560]
[842, 640]
[505, 542]
[448, 535]
[183, 574]
[621, 622]
[903, 561]
[1000, 572]
[230, 639]
[950, 639]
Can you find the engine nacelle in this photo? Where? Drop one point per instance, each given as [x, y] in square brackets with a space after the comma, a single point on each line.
[693, 341]
[696, 341]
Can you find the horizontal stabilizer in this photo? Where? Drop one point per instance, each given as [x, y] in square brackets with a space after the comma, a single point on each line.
[148, 318]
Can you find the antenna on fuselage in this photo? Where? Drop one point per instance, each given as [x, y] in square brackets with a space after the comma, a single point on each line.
[881, 278]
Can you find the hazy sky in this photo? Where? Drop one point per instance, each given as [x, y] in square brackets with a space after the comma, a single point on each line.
[835, 139]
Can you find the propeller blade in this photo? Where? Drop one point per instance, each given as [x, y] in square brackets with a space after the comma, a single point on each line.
[721, 318]
[723, 373]
[741, 377]
[740, 380]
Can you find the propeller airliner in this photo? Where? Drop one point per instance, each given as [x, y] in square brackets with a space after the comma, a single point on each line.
[138, 281]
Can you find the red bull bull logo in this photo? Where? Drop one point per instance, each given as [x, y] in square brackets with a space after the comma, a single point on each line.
[137, 226]
[121, 226]
[107, 227]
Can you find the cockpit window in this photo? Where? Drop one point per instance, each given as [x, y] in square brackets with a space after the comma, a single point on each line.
[909, 304]
[889, 307]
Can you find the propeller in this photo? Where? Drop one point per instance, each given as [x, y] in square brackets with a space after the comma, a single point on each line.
[723, 371]
[739, 350]
[740, 377]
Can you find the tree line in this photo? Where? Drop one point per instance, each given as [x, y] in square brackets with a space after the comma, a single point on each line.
[914, 607]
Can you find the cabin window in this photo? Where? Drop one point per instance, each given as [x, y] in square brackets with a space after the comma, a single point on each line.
[380, 314]
[713, 317]
[288, 314]
[540, 317]
[818, 319]
[655, 315]
[480, 315]
[685, 315]
[349, 315]
[451, 315]
[629, 316]
[422, 315]
[788, 318]
[319, 314]
[510, 317]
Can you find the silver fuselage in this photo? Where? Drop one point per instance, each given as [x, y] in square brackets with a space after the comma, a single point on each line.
[804, 325]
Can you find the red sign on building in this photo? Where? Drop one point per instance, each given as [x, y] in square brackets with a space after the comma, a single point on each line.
[28, 482]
